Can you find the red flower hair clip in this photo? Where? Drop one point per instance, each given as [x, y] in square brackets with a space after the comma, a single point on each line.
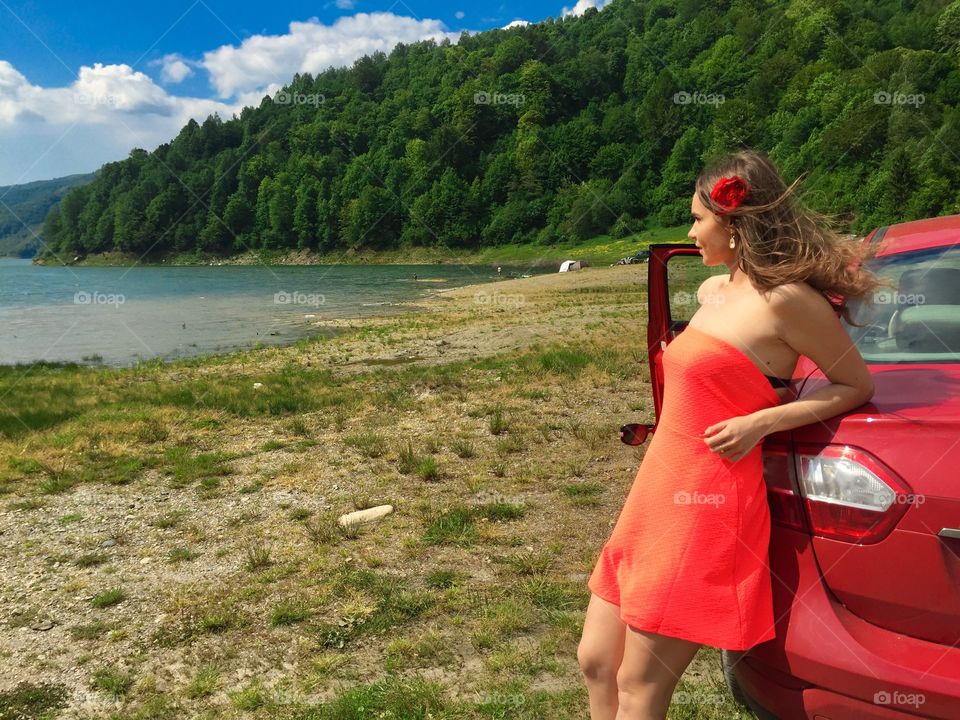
[729, 192]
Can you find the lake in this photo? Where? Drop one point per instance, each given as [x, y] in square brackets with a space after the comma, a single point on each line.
[121, 315]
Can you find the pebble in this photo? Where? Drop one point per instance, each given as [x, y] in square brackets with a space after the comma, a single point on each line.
[367, 515]
[108, 543]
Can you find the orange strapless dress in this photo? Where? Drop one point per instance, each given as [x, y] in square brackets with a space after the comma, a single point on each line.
[688, 555]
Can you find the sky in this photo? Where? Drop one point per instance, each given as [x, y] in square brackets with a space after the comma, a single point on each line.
[82, 83]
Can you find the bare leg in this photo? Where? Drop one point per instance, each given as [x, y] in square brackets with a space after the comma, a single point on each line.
[651, 668]
[599, 653]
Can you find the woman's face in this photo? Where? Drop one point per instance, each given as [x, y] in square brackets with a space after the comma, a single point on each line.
[711, 235]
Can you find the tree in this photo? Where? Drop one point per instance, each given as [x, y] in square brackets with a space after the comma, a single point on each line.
[948, 28]
[590, 123]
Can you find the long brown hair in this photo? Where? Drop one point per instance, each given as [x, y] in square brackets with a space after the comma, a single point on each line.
[779, 241]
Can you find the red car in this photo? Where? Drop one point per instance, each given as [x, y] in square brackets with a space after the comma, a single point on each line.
[865, 508]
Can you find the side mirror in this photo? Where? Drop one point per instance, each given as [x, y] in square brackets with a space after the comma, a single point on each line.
[635, 433]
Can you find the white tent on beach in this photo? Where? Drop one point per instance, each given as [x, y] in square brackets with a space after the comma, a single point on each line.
[567, 265]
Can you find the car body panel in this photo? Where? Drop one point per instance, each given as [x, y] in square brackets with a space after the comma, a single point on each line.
[863, 630]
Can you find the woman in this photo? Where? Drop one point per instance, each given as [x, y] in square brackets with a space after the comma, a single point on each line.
[686, 563]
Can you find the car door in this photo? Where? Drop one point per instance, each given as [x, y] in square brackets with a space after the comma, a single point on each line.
[674, 273]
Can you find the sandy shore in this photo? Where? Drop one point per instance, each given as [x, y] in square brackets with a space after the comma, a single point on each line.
[484, 319]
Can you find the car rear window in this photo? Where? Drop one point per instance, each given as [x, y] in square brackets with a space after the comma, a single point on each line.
[919, 321]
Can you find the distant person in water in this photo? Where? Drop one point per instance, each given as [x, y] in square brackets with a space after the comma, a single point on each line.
[498, 269]
[414, 276]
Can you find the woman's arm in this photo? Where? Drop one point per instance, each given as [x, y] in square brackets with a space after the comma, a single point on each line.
[807, 323]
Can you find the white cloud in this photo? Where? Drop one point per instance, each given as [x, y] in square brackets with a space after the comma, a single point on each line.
[515, 23]
[53, 131]
[459, 14]
[345, 4]
[107, 111]
[173, 68]
[582, 5]
[312, 47]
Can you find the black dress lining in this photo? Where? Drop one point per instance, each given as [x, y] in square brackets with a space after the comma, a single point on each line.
[778, 381]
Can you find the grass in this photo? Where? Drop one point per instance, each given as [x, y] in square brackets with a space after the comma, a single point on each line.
[204, 683]
[324, 529]
[428, 469]
[584, 493]
[112, 681]
[455, 526]
[29, 701]
[441, 579]
[169, 519]
[500, 511]
[88, 560]
[370, 444]
[464, 449]
[258, 557]
[289, 612]
[180, 554]
[109, 598]
[91, 631]
[186, 467]
[488, 460]
[410, 699]
[498, 423]
[408, 459]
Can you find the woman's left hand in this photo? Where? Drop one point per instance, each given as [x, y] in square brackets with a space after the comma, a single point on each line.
[733, 438]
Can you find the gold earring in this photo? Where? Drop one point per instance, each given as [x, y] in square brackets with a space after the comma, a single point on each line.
[733, 241]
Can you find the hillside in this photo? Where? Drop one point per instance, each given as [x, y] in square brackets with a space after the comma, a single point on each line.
[556, 131]
[23, 208]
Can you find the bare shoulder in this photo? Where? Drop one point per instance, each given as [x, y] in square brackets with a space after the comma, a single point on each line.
[793, 293]
[801, 308]
[807, 322]
[710, 285]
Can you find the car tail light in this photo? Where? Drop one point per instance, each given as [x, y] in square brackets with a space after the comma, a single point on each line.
[848, 494]
[786, 505]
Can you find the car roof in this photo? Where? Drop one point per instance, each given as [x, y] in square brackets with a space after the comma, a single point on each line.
[920, 234]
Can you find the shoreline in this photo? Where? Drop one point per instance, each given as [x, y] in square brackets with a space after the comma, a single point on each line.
[300, 257]
[598, 251]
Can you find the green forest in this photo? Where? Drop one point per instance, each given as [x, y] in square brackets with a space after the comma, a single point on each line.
[555, 131]
[23, 209]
